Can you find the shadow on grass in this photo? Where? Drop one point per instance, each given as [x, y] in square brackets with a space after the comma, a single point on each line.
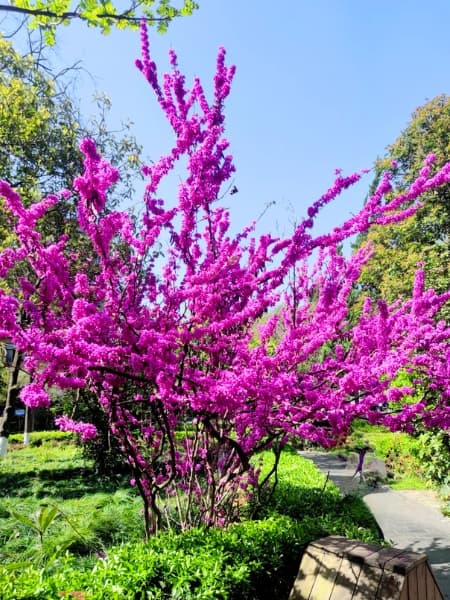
[66, 483]
[297, 502]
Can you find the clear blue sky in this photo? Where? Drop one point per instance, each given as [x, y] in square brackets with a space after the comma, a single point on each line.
[320, 84]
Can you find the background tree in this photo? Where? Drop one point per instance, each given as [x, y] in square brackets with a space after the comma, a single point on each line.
[425, 236]
[40, 129]
[104, 14]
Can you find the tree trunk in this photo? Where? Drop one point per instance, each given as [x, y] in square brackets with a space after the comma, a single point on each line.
[27, 426]
[12, 393]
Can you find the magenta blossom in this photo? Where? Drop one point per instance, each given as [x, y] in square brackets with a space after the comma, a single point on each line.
[33, 396]
[86, 431]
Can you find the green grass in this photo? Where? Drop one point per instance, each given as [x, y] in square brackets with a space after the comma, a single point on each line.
[48, 456]
[51, 469]
[93, 513]
[410, 482]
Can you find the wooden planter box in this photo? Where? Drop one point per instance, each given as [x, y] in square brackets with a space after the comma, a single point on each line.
[335, 568]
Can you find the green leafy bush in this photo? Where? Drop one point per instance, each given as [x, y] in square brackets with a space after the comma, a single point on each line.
[255, 559]
[434, 455]
[399, 451]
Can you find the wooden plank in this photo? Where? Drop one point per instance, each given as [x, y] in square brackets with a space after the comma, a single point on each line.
[430, 586]
[404, 594]
[433, 589]
[324, 584]
[411, 579]
[336, 544]
[307, 573]
[391, 585]
[346, 580]
[405, 562]
[421, 573]
[367, 584]
[361, 552]
[383, 557]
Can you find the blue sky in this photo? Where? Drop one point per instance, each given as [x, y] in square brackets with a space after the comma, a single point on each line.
[320, 85]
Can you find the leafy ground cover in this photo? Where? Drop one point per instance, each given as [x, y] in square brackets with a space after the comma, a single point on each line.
[62, 530]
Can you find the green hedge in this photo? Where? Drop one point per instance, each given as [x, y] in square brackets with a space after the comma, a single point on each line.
[434, 455]
[37, 438]
[257, 560]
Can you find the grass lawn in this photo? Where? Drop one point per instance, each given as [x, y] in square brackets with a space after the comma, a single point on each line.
[92, 513]
[92, 534]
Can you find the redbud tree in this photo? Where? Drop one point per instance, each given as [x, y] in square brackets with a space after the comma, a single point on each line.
[223, 344]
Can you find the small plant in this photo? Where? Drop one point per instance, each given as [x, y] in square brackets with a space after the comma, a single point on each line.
[373, 479]
[40, 522]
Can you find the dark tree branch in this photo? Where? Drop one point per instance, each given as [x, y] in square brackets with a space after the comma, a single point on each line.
[112, 371]
[40, 12]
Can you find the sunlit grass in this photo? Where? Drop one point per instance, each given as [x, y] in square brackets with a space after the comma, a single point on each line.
[292, 469]
[50, 456]
[410, 482]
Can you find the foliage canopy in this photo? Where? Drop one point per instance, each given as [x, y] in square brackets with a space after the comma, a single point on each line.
[424, 237]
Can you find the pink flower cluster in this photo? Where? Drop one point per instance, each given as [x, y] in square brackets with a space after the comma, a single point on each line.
[222, 345]
[34, 396]
[86, 431]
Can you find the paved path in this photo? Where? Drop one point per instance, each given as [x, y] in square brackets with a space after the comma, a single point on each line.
[410, 519]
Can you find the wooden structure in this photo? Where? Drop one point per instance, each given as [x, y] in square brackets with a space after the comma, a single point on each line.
[335, 568]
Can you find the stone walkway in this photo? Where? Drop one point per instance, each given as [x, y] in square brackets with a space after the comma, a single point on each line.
[409, 519]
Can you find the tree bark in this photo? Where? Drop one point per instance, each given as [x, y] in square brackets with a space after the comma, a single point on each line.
[12, 393]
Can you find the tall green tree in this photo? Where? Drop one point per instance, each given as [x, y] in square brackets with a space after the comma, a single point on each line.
[103, 14]
[423, 238]
[40, 129]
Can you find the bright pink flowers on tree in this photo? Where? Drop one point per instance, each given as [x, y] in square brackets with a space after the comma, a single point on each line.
[192, 378]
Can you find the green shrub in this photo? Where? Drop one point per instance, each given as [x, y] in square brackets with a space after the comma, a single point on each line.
[37, 438]
[408, 458]
[434, 455]
[257, 560]
[399, 451]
